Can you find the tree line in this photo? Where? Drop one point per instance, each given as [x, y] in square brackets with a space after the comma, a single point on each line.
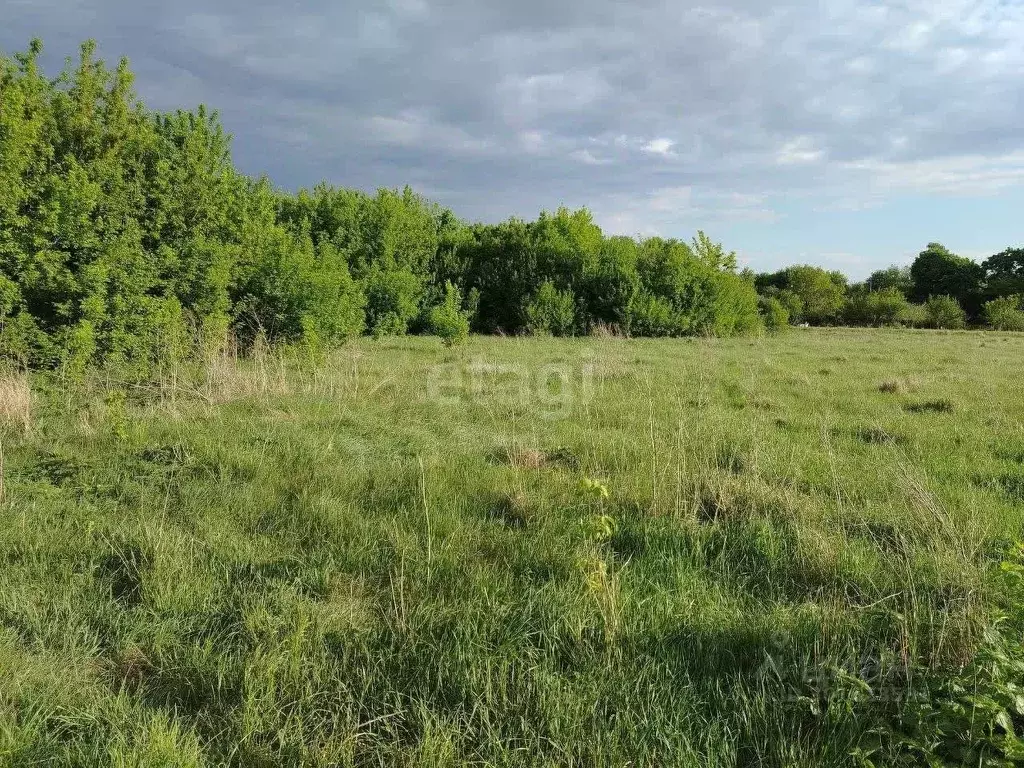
[938, 290]
[128, 237]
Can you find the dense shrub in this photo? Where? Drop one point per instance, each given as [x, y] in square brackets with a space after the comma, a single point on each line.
[1005, 314]
[810, 294]
[448, 320]
[653, 316]
[885, 307]
[392, 300]
[551, 311]
[944, 312]
[916, 316]
[773, 313]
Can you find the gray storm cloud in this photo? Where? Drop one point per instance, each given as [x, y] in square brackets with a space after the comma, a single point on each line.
[654, 114]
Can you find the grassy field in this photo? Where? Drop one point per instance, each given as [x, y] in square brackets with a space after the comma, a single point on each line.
[782, 551]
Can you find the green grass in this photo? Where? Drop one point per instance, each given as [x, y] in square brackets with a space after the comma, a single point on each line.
[392, 557]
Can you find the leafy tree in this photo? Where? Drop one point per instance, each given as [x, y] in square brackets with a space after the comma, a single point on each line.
[567, 245]
[821, 293]
[1004, 273]
[939, 272]
[713, 254]
[792, 302]
[613, 283]
[895, 277]
[288, 289]
[502, 268]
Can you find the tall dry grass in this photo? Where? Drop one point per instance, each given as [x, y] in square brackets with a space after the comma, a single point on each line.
[15, 400]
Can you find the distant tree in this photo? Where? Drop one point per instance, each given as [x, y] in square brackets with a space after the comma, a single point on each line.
[821, 293]
[792, 302]
[502, 267]
[1004, 273]
[892, 277]
[939, 272]
[613, 282]
[713, 254]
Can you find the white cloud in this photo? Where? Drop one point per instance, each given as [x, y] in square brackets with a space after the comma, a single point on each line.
[799, 151]
[963, 175]
[659, 146]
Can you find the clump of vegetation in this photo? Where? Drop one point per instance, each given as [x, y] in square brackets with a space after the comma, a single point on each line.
[1005, 313]
[160, 253]
[879, 308]
[773, 313]
[898, 386]
[448, 320]
[551, 312]
[944, 312]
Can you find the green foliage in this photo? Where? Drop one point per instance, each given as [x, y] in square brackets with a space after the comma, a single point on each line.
[944, 312]
[551, 311]
[810, 294]
[1004, 273]
[447, 319]
[392, 300]
[886, 307]
[961, 716]
[939, 272]
[713, 254]
[791, 301]
[893, 277]
[916, 316]
[654, 316]
[286, 288]
[820, 292]
[773, 313]
[613, 283]
[1005, 314]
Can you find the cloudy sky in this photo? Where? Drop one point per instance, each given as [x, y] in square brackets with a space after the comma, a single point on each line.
[847, 133]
